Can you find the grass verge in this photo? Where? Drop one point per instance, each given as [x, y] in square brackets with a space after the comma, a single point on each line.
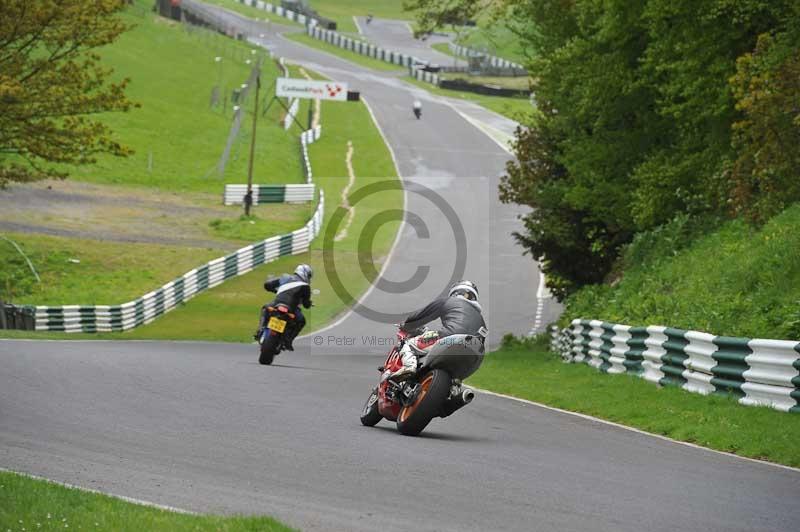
[513, 108]
[31, 504]
[530, 371]
[347, 55]
[342, 11]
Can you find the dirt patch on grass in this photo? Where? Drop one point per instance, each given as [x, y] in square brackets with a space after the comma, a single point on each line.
[124, 214]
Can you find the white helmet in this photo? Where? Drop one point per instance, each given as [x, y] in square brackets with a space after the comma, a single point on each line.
[465, 289]
[304, 272]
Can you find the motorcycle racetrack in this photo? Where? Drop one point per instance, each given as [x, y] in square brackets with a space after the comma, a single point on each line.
[203, 427]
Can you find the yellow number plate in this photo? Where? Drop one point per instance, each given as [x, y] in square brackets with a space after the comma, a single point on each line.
[276, 324]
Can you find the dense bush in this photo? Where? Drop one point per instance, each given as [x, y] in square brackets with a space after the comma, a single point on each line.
[739, 280]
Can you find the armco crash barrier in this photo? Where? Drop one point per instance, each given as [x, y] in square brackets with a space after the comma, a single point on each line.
[363, 48]
[107, 318]
[234, 194]
[759, 372]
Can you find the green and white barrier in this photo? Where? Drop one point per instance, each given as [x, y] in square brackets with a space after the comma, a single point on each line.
[362, 47]
[494, 61]
[424, 75]
[143, 310]
[234, 194]
[759, 372]
[278, 10]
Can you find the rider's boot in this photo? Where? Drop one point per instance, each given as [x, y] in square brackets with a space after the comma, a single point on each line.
[409, 368]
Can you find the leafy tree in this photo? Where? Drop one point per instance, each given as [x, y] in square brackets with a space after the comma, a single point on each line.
[765, 177]
[51, 83]
[639, 122]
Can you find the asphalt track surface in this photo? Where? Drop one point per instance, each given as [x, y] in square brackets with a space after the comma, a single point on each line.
[202, 426]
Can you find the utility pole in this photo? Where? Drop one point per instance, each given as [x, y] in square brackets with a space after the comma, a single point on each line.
[248, 199]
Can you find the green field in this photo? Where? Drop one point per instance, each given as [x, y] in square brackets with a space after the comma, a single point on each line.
[31, 504]
[176, 134]
[496, 39]
[353, 57]
[342, 11]
[529, 371]
[513, 108]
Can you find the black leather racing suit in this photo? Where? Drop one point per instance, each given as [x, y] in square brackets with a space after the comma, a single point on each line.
[458, 316]
[292, 292]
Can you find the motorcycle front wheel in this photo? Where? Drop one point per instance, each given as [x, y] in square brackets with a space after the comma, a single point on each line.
[369, 414]
[269, 348]
[434, 390]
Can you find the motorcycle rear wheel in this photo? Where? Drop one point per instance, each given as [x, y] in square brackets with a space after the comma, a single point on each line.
[435, 388]
[269, 348]
[369, 414]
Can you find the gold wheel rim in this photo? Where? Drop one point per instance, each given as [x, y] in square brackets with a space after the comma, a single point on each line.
[410, 409]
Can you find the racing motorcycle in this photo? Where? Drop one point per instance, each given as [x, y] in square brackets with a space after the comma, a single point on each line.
[418, 112]
[435, 390]
[270, 337]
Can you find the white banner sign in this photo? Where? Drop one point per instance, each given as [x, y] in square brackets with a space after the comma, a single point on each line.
[304, 88]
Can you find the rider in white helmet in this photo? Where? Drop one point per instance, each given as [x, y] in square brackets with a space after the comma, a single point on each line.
[459, 312]
[292, 290]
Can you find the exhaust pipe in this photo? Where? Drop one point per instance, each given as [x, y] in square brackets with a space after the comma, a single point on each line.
[457, 401]
[467, 396]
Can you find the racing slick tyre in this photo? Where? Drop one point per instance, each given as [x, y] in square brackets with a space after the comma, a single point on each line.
[434, 390]
[370, 415]
[269, 348]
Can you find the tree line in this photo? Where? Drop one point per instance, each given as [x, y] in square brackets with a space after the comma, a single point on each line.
[646, 110]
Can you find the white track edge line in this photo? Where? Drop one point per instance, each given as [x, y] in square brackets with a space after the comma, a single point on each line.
[132, 500]
[396, 237]
[638, 431]
[358, 26]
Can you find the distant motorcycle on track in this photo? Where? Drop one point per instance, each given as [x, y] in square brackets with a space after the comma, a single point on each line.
[434, 391]
[417, 107]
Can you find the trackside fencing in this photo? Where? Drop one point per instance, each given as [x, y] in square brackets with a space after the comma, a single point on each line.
[143, 310]
[280, 11]
[362, 47]
[759, 372]
[494, 61]
[234, 194]
[424, 75]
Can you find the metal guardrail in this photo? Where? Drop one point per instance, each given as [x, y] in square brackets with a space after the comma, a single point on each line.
[234, 194]
[759, 372]
[363, 48]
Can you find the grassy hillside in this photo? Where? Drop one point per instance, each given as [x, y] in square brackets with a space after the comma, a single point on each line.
[737, 280]
[342, 11]
[177, 135]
